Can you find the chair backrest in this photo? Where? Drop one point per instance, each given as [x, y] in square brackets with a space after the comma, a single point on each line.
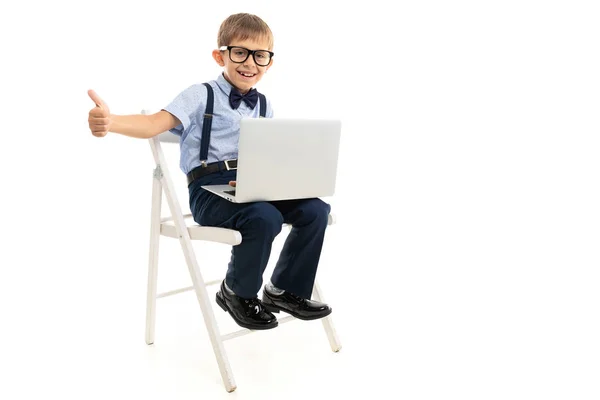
[168, 137]
[174, 186]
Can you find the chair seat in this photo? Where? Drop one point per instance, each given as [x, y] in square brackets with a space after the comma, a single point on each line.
[208, 233]
[197, 232]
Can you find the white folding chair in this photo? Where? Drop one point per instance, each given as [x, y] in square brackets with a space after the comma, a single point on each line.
[185, 229]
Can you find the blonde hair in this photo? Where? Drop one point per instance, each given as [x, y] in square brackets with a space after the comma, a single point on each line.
[244, 26]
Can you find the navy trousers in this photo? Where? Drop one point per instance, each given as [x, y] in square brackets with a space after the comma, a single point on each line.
[259, 223]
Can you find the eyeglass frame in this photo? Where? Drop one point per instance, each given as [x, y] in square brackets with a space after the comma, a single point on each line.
[250, 52]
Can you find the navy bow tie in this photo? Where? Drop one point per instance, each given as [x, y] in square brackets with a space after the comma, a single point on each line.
[235, 98]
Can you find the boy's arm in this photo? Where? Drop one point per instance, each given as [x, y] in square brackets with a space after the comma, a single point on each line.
[142, 126]
[101, 121]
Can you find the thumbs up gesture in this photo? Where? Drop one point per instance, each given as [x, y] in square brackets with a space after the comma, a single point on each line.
[99, 117]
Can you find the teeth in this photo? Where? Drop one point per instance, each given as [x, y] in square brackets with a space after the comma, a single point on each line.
[245, 74]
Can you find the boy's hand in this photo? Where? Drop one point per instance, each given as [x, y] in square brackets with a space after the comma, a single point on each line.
[232, 183]
[99, 116]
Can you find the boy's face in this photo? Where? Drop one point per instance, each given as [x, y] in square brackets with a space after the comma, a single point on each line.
[243, 75]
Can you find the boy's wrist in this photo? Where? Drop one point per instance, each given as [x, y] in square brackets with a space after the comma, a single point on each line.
[111, 120]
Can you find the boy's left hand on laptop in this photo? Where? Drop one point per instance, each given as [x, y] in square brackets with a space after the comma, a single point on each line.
[232, 183]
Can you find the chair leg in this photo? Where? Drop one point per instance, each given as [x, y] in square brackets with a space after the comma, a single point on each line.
[208, 314]
[153, 260]
[334, 342]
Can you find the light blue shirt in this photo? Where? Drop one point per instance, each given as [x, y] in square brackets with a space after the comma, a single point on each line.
[189, 108]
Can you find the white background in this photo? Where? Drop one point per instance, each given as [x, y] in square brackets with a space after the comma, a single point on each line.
[465, 261]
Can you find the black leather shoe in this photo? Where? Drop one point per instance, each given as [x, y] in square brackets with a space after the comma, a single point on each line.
[294, 305]
[247, 313]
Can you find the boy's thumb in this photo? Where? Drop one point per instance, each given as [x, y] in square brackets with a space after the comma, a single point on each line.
[96, 99]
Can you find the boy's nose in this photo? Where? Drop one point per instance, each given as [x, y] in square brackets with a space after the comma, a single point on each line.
[250, 60]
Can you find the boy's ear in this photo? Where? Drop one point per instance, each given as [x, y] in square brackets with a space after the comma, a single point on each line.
[218, 57]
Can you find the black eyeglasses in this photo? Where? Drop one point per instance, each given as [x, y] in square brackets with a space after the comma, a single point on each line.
[240, 54]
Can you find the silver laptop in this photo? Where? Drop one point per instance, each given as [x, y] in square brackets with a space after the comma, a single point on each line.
[283, 159]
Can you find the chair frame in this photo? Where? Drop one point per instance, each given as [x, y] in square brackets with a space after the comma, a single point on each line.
[175, 226]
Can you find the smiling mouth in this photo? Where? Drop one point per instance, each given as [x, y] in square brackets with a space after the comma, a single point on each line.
[246, 74]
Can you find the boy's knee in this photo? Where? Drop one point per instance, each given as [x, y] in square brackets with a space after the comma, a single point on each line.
[264, 217]
[316, 210]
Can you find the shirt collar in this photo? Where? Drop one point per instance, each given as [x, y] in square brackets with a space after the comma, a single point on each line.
[224, 85]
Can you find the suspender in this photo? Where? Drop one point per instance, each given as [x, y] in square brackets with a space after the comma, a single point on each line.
[262, 101]
[207, 121]
[206, 125]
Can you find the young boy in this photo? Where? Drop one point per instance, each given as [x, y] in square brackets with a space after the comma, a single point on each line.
[245, 52]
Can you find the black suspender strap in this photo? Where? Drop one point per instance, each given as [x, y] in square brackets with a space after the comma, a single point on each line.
[206, 124]
[207, 121]
[262, 101]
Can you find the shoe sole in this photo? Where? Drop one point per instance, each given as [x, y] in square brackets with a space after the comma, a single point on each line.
[223, 305]
[275, 309]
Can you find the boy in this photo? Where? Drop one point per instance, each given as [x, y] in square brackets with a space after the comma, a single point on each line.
[245, 52]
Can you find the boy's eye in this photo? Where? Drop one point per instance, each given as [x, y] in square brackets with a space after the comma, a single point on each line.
[239, 53]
